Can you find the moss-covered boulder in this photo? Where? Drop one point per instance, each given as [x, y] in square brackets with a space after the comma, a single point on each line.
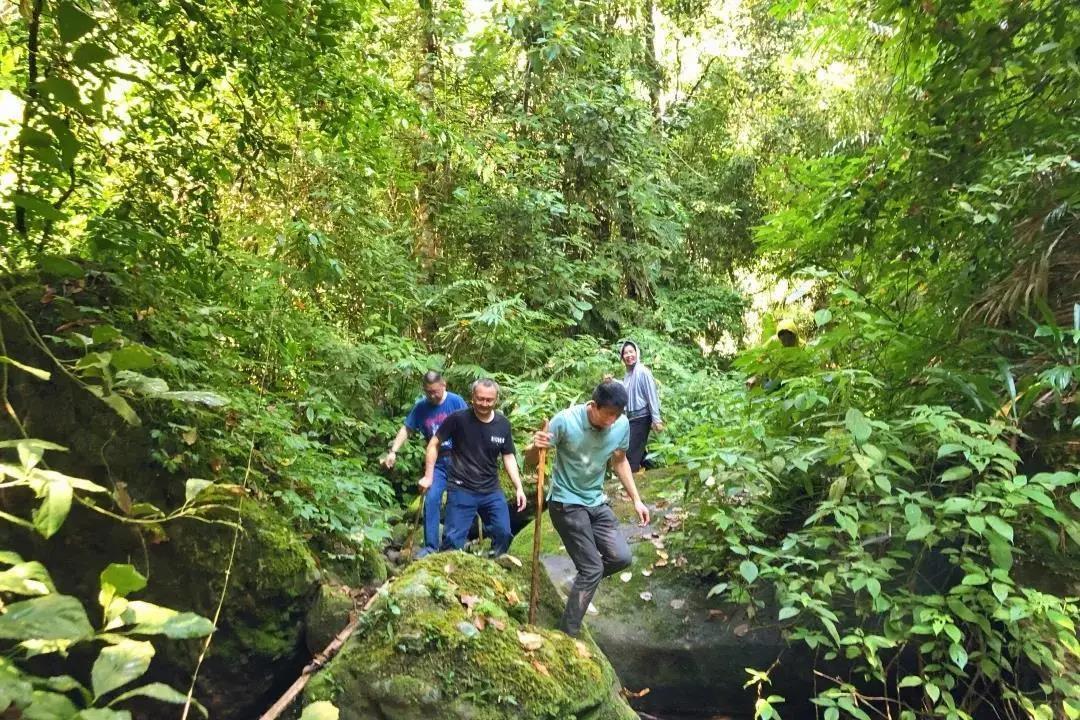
[328, 615]
[448, 640]
[659, 627]
[258, 648]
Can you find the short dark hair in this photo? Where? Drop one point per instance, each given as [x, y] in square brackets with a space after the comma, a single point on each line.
[432, 376]
[610, 394]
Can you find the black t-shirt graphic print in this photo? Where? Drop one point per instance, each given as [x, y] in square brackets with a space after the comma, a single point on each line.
[478, 447]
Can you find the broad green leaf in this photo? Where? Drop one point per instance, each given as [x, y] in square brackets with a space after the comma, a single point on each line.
[120, 405]
[37, 206]
[150, 619]
[62, 90]
[63, 683]
[89, 54]
[823, 317]
[1061, 620]
[999, 526]
[123, 579]
[49, 706]
[119, 664]
[910, 681]
[193, 487]
[132, 357]
[105, 334]
[949, 449]
[717, 589]
[10, 558]
[210, 399]
[1001, 591]
[977, 523]
[77, 483]
[956, 473]
[321, 710]
[103, 714]
[30, 442]
[976, 578]
[52, 617]
[958, 655]
[1001, 553]
[54, 507]
[60, 267]
[162, 692]
[36, 372]
[29, 578]
[748, 570]
[787, 612]
[920, 531]
[857, 425]
[141, 384]
[72, 22]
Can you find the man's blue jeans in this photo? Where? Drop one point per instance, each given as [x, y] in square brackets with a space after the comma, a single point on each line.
[463, 505]
[433, 505]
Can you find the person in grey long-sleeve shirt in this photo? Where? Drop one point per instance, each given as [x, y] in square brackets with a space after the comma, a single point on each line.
[643, 408]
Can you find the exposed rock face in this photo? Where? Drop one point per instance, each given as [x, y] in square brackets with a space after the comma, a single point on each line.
[259, 645]
[661, 631]
[448, 640]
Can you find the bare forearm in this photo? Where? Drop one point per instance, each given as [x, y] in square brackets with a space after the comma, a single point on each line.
[626, 477]
[431, 455]
[510, 463]
[400, 439]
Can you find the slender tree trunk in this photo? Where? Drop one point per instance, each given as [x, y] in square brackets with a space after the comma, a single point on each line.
[29, 101]
[426, 245]
[653, 73]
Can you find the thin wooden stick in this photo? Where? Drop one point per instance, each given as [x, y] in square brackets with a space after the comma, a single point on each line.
[534, 595]
[319, 661]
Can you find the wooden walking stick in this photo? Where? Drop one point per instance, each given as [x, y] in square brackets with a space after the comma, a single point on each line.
[534, 595]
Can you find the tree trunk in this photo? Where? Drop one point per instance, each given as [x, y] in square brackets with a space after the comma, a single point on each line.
[653, 74]
[426, 245]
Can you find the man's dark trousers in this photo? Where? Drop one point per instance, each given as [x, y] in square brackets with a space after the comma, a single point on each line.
[593, 541]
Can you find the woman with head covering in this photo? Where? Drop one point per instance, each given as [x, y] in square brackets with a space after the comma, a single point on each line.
[643, 407]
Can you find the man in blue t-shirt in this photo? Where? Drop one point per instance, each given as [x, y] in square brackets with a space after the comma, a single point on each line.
[584, 438]
[425, 418]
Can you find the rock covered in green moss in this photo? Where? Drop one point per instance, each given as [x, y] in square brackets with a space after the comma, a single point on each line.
[449, 640]
[328, 615]
[658, 624]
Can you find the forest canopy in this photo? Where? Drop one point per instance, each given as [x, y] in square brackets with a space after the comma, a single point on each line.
[249, 228]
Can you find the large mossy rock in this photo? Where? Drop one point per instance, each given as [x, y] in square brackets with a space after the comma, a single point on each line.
[661, 630]
[448, 640]
[258, 648]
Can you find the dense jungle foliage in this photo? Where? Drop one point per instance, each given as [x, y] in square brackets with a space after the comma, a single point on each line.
[248, 228]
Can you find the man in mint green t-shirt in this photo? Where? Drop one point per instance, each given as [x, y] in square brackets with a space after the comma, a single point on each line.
[584, 438]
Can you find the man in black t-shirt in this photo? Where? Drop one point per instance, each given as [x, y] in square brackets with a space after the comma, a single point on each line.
[479, 436]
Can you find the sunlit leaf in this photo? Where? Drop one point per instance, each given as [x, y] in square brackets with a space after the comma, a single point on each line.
[119, 664]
